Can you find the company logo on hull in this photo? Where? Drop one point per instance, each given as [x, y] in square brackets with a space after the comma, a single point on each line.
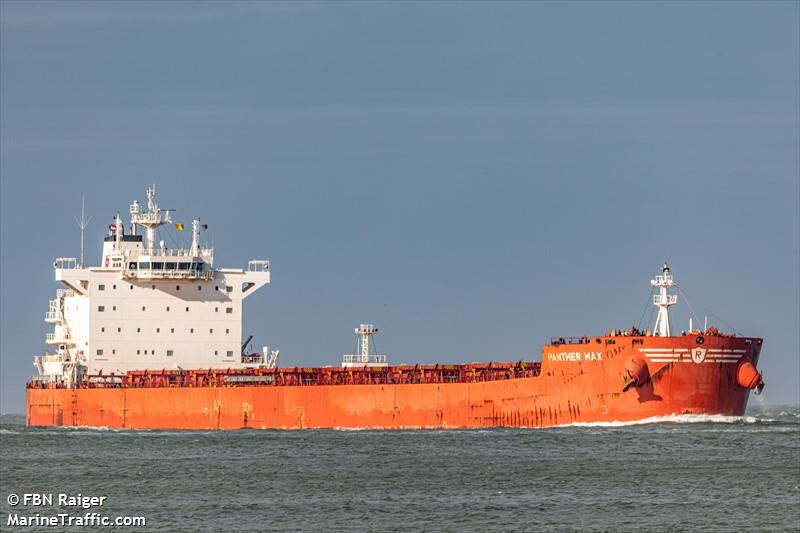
[695, 355]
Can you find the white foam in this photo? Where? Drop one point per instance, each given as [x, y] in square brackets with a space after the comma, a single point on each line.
[670, 419]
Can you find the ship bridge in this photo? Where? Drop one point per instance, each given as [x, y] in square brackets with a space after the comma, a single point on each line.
[148, 305]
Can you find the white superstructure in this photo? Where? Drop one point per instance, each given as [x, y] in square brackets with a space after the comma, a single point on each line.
[148, 306]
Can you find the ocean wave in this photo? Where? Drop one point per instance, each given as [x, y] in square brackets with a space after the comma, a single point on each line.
[672, 419]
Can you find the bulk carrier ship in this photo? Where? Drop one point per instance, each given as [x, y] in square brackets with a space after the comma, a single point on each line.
[152, 338]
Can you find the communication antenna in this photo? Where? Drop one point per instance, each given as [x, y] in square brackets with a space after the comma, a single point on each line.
[82, 222]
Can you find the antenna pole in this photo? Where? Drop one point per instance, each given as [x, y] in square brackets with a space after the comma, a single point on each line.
[83, 223]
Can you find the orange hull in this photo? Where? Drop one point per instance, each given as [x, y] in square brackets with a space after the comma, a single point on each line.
[599, 380]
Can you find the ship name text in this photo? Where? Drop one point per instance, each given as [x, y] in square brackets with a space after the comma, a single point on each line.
[574, 356]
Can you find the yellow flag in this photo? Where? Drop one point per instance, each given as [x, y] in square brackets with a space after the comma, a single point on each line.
[179, 227]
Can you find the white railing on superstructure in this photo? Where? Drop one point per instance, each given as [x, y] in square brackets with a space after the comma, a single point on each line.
[358, 359]
[176, 252]
[258, 265]
[670, 299]
[65, 263]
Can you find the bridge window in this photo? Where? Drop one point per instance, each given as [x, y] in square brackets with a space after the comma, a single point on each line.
[170, 266]
[144, 265]
[158, 266]
[184, 266]
[132, 266]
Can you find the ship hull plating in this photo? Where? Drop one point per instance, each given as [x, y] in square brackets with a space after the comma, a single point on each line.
[603, 379]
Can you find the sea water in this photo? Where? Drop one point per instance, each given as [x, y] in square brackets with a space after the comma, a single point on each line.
[682, 473]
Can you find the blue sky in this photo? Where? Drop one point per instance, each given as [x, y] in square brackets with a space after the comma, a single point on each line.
[471, 177]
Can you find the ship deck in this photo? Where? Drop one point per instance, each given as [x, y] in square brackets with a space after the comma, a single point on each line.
[310, 376]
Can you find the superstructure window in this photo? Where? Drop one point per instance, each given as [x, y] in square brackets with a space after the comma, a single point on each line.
[177, 287]
[199, 287]
[211, 330]
[114, 308]
[191, 330]
[158, 266]
[119, 330]
[229, 310]
[158, 330]
[172, 330]
[138, 330]
[114, 287]
[187, 309]
[137, 352]
[144, 265]
[170, 266]
[216, 309]
[167, 309]
[184, 266]
[101, 308]
[101, 287]
[229, 353]
[99, 352]
[229, 289]
[132, 266]
[102, 330]
[227, 330]
[143, 308]
[169, 353]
